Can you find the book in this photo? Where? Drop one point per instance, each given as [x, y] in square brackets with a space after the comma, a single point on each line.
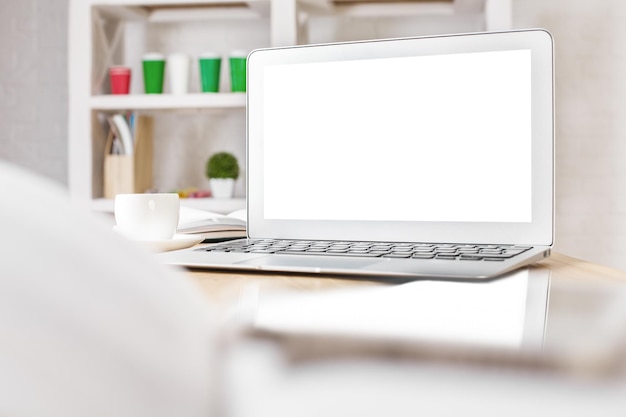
[212, 226]
[120, 128]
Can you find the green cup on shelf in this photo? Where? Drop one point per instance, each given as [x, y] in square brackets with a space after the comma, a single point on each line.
[210, 65]
[153, 72]
[237, 62]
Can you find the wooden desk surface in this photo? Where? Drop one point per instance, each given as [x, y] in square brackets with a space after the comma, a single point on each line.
[581, 297]
[579, 370]
[225, 287]
[579, 365]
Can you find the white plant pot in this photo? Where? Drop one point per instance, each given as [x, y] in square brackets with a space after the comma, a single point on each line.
[222, 187]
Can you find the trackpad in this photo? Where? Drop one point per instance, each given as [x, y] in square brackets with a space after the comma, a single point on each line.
[309, 263]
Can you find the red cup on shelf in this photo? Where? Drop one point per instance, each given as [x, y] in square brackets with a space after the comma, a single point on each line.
[120, 80]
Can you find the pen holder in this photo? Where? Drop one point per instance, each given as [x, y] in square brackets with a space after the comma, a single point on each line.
[127, 174]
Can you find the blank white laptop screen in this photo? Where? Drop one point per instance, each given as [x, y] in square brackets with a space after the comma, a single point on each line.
[433, 139]
[441, 132]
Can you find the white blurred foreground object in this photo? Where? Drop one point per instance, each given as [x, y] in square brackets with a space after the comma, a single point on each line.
[90, 325]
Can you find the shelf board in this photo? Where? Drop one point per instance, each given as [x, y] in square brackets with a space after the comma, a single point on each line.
[188, 10]
[216, 205]
[168, 101]
[384, 8]
[169, 4]
[232, 11]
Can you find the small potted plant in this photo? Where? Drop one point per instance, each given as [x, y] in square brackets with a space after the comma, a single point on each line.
[222, 170]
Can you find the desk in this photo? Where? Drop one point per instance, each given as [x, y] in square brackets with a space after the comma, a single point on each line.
[225, 288]
[263, 380]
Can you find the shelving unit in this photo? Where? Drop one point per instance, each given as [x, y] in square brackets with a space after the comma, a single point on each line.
[117, 32]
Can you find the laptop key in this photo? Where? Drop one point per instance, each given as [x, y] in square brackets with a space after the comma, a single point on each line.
[446, 250]
[470, 258]
[403, 249]
[423, 251]
[513, 252]
[365, 255]
[490, 251]
[423, 256]
[397, 255]
[496, 255]
[468, 250]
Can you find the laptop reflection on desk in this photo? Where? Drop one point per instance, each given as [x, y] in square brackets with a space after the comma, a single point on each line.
[504, 315]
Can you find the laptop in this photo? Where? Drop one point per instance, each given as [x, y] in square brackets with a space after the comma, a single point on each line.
[426, 157]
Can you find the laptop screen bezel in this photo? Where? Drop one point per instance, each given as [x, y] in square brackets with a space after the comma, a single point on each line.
[539, 231]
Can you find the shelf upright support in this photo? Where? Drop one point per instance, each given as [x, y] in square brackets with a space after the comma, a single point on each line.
[284, 22]
[79, 125]
[498, 14]
[109, 47]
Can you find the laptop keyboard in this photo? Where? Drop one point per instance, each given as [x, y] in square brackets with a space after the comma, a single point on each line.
[371, 249]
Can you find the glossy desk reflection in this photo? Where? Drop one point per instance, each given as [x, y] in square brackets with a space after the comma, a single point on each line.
[367, 349]
[509, 312]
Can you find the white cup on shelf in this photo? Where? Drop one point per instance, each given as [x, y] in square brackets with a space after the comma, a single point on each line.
[178, 73]
[147, 217]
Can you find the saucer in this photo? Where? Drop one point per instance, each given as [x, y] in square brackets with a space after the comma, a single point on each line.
[178, 241]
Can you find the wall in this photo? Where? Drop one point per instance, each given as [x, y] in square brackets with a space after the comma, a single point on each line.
[590, 106]
[590, 123]
[33, 85]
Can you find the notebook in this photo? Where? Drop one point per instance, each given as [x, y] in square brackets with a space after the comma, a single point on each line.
[361, 153]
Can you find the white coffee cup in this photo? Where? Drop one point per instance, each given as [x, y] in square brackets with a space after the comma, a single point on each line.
[147, 216]
[178, 73]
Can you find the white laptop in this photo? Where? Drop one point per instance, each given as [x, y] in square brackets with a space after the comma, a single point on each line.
[427, 157]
